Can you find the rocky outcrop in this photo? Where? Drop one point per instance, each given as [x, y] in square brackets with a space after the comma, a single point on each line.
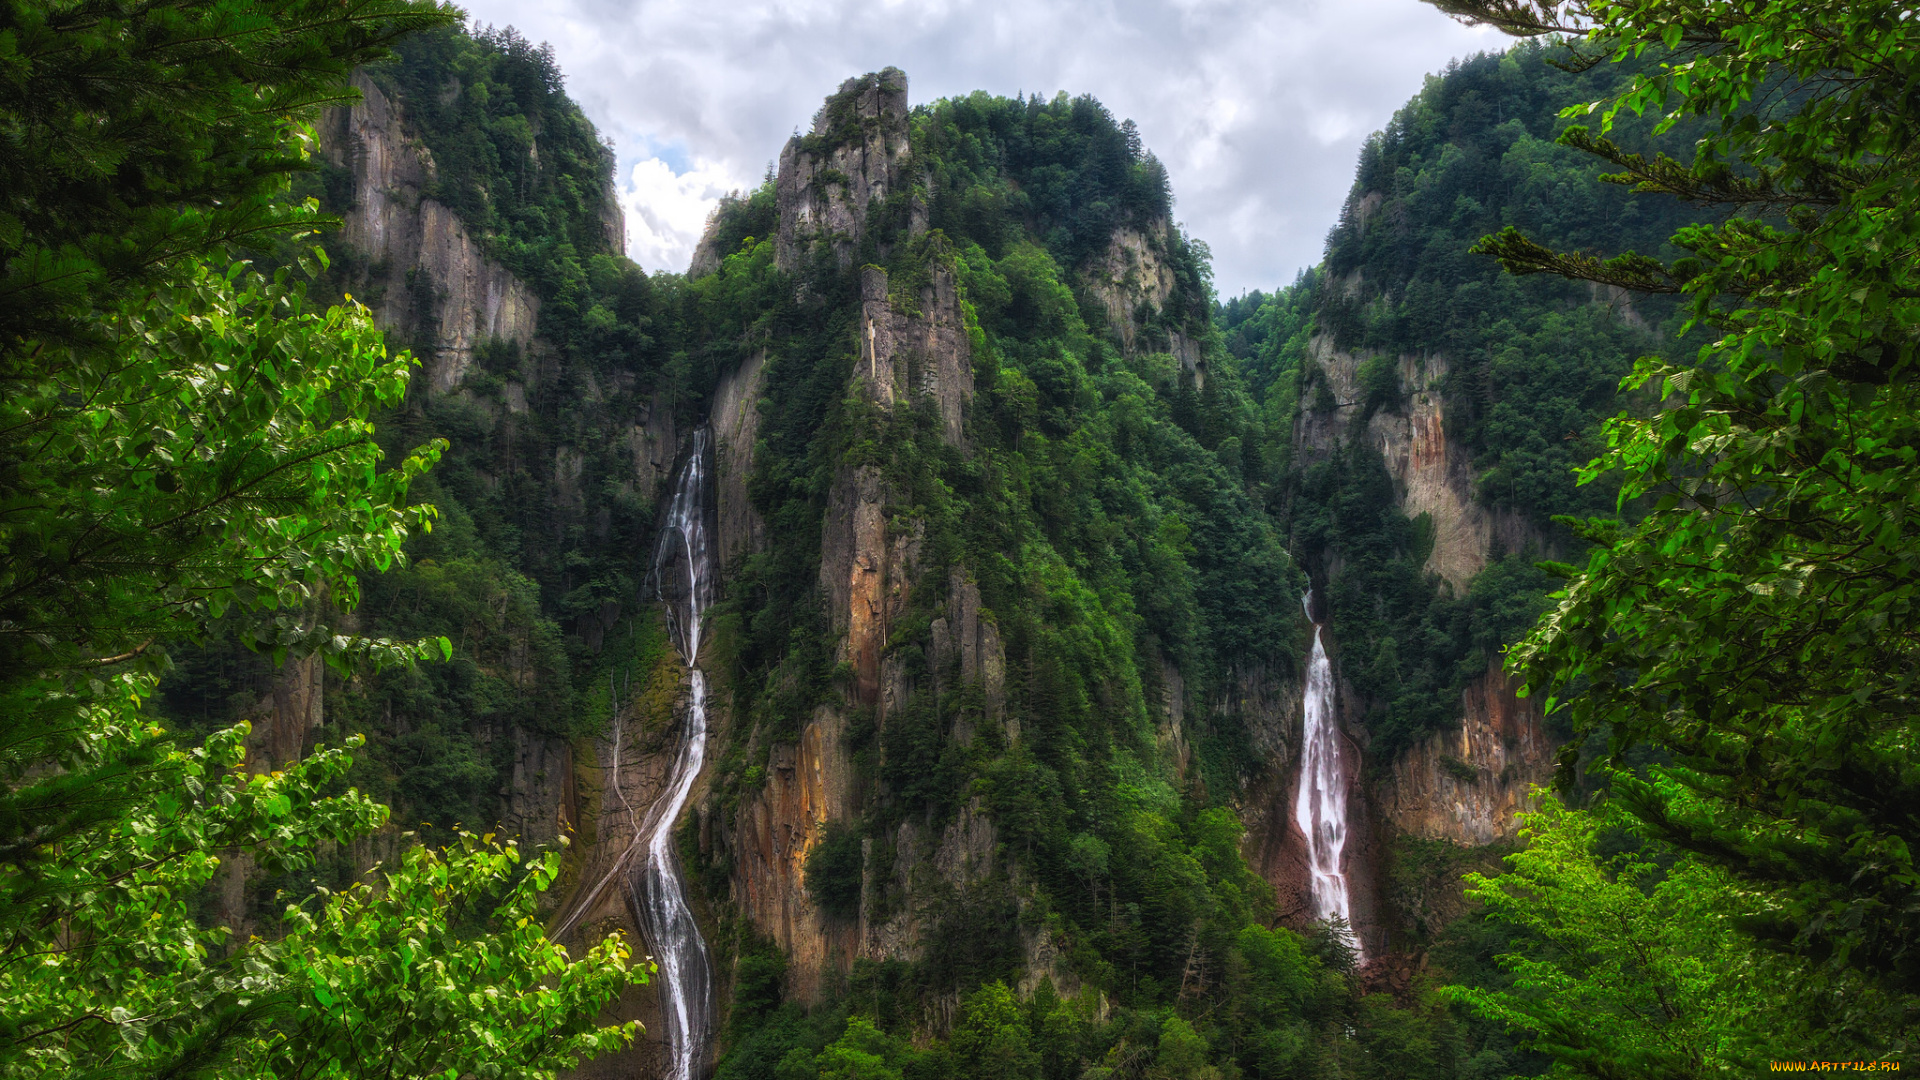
[808, 784]
[1432, 474]
[423, 274]
[966, 649]
[1271, 711]
[830, 179]
[540, 796]
[612, 218]
[855, 575]
[706, 253]
[654, 442]
[916, 345]
[1132, 280]
[912, 346]
[1466, 786]
[291, 710]
[867, 570]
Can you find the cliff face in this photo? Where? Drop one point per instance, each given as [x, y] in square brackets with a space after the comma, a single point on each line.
[735, 417]
[913, 351]
[1466, 786]
[433, 288]
[427, 278]
[1133, 280]
[1275, 847]
[1432, 474]
[424, 275]
[850, 162]
[1500, 740]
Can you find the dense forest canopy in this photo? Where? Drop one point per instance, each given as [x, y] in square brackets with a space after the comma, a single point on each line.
[1687, 386]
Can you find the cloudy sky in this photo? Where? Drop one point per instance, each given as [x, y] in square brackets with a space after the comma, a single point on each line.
[1257, 107]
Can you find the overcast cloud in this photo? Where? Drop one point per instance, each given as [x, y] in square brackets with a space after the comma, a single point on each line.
[1257, 107]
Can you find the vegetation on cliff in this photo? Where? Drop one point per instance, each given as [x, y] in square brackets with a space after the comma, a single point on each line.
[1112, 509]
[1532, 367]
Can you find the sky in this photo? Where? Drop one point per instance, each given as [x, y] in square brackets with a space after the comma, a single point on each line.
[1258, 108]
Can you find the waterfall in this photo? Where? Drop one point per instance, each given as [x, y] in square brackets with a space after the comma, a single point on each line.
[1320, 808]
[683, 570]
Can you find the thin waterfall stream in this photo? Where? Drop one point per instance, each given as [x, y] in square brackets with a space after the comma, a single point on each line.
[683, 571]
[1320, 807]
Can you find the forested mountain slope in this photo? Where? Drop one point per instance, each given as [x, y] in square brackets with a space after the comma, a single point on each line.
[1441, 409]
[1013, 522]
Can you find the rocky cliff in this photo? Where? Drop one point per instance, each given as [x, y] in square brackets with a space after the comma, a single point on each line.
[1136, 671]
[845, 170]
[569, 437]
[423, 274]
[912, 351]
[1461, 785]
[1134, 282]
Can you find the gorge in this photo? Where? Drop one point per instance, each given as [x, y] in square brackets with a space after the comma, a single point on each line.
[899, 609]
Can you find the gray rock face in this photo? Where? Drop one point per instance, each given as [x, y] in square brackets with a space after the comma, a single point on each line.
[735, 417]
[1431, 473]
[923, 351]
[706, 254]
[1132, 278]
[850, 162]
[1467, 785]
[425, 275]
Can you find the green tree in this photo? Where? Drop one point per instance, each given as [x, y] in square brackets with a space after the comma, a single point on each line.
[1182, 1054]
[860, 1053]
[1625, 969]
[993, 1041]
[1760, 626]
[180, 445]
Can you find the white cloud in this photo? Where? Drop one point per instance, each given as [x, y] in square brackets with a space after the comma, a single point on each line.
[1257, 107]
[666, 211]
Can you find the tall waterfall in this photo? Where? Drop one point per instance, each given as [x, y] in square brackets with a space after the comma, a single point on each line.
[1320, 808]
[683, 568]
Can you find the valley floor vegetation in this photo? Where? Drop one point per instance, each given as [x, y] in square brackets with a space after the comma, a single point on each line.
[208, 475]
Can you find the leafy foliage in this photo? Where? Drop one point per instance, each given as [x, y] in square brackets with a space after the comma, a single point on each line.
[185, 442]
[1627, 966]
[406, 976]
[123, 164]
[1755, 625]
[1077, 176]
